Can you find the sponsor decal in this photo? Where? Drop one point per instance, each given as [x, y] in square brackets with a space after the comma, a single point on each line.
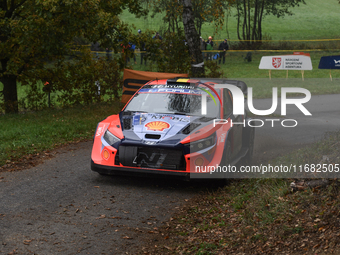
[150, 142]
[169, 117]
[100, 129]
[138, 119]
[157, 125]
[276, 62]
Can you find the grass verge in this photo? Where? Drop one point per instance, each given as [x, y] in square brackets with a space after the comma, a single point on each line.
[260, 216]
[31, 133]
[310, 20]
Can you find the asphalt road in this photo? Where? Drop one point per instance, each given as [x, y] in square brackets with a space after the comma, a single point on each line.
[62, 207]
[278, 140]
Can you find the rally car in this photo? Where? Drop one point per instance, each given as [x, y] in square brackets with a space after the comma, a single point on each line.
[176, 127]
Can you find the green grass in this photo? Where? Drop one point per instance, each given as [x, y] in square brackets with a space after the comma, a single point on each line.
[34, 132]
[317, 81]
[236, 67]
[315, 20]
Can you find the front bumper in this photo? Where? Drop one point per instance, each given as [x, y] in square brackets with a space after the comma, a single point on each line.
[143, 172]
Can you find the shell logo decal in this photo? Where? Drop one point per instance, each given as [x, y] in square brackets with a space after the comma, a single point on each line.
[157, 125]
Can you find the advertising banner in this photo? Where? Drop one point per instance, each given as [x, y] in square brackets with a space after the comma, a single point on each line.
[133, 80]
[330, 62]
[296, 61]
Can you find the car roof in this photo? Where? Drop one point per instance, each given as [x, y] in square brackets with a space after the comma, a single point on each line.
[196, 81]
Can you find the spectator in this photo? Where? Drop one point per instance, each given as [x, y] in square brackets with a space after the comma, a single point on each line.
[95, 47]
[209, 46]
[223, 48]
[202, 46]
[126, 51]
[108, 54]
[157, 44]
[157, 36]
[142, 49]
[132, 49]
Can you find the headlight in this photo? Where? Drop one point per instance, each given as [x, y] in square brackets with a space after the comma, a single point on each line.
[202, 144]
[110, 138]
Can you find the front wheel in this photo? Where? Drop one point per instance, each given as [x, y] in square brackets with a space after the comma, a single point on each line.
[226, 159]
[250, 144]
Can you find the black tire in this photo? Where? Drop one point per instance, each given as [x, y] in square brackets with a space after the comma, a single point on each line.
[250, 137]
[226, 159]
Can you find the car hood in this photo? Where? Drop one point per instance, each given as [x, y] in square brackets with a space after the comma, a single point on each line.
[155, 128]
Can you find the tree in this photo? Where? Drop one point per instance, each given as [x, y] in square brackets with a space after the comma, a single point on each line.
[250, 14]
[34, 32]
[202, 11]
[193, 40]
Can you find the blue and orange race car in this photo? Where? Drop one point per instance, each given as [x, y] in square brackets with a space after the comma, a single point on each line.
[176, 127]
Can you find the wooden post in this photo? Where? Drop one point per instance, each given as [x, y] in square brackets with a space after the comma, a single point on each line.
[330, 74]
[302, 73]
[287, 75]
[270, 74]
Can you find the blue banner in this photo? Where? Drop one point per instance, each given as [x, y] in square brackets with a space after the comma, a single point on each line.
[330, 62]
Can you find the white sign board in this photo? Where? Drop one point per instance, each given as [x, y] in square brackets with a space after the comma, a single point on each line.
[296, 61]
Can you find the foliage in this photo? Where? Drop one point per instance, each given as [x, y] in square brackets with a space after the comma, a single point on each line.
[173, 57]
[204, 11]
[34, 32]
[36, 98]
[84, 80]
[168, 55]
[212, 69]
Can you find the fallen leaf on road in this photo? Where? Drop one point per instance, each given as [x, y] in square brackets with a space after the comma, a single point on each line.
[27, 242]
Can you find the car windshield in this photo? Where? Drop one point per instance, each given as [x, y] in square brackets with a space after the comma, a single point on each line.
[175, 101]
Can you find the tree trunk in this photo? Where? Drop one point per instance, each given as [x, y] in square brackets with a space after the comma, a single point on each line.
[259, 28]
[193, 40]
[238, 20]
[254, 37]
[249, 22]
[245, 21]
[10, 93]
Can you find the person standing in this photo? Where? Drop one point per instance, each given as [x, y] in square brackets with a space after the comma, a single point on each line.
[157, 36]
[223, 48]
[142, 49]
[209, 46]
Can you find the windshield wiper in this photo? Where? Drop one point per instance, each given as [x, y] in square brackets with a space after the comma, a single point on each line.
[181, 113]
[129, 111]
